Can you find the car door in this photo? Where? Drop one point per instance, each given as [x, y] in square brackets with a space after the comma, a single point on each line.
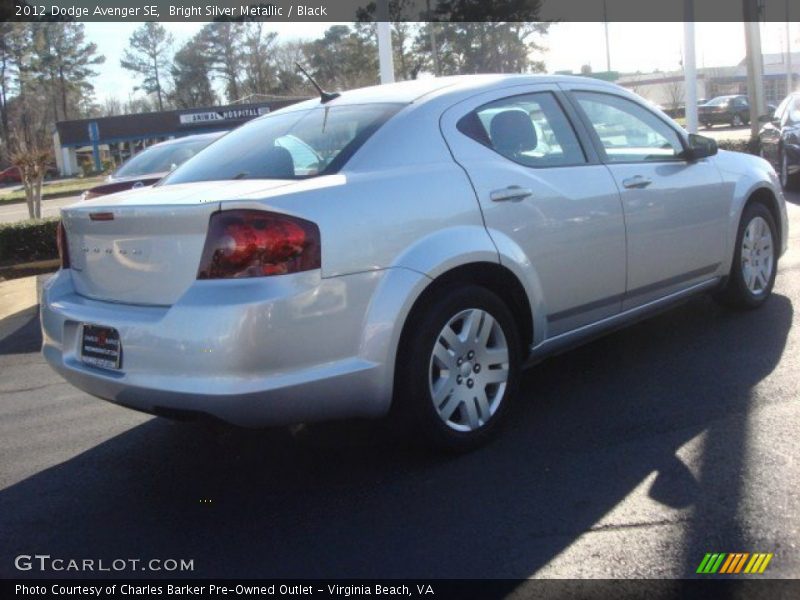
[676, 210]
[541, 188]
[740, 106]
[770, 134]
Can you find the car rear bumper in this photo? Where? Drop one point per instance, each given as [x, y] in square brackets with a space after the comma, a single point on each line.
[250, 352]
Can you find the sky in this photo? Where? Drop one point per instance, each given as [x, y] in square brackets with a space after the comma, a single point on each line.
[644, 47]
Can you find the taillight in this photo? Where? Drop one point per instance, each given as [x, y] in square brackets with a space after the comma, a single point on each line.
[256, 243]
[63, 247]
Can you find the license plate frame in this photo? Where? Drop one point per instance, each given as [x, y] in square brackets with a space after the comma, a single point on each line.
[104, 349]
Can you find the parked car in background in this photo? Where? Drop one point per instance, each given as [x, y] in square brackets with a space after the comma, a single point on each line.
[409, 246]
[151, 164]
[12, 174]
[779, 141]
[730, 110]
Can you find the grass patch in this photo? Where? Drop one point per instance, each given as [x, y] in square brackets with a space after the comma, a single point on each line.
[55, 188]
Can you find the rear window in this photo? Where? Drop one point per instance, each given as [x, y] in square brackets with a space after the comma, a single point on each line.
[291, 145]
[161, 158]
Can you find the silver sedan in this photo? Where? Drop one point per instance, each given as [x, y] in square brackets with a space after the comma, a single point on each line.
[409, 247]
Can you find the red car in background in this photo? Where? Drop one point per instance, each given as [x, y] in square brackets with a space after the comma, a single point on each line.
[13, 175]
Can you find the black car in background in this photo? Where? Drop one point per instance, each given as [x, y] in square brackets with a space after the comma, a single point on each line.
[151, 164]
[730, 110]
[779, 141]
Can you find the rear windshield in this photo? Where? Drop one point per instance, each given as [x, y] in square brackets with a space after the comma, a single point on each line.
[160, 159]
[291, 145]
[719, 101]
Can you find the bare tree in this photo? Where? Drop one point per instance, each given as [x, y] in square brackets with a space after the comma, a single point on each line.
[148, 56]
[674, 89]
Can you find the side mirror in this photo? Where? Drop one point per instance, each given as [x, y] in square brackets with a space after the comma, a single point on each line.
[766, 118]
[700, 147]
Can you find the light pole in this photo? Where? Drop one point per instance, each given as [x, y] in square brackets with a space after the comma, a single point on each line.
[689, 67]
[385, 55]
[755, 63]
[789, 78]
[608, 45]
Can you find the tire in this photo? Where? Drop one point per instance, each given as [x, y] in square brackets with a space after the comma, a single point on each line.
[752, 276]
[707, 125]
[737, 121]
[440, 374]
[788, 182]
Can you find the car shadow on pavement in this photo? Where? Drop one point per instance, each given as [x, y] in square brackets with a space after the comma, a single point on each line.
[346, 500]
[24, 334]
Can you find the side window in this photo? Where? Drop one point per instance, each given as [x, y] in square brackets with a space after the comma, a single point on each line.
[791, 115]
[778, 115]
[628, 131]
[531, 130]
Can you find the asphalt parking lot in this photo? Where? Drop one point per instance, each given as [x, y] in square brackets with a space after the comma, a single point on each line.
[632, 456]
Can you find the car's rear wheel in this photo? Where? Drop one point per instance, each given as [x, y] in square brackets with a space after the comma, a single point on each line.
[707, 125]
[737, 121]
[755, 259]
[458, 369]
[789, 182]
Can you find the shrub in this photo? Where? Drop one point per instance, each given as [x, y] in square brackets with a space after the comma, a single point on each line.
[28, 241]
[750, 146]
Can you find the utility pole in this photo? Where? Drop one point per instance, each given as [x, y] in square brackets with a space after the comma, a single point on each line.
[434, 44]
[608, 45]
[385, 54]
[789, 77]
[755, 63]
[689, 67]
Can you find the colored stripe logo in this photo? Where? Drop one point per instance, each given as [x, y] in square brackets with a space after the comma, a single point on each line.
[733, 563]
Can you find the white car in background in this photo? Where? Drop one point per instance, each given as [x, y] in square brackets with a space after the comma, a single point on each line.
[411, 245]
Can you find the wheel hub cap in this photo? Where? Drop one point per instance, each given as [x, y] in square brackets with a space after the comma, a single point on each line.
[757, 256]
[468, 370]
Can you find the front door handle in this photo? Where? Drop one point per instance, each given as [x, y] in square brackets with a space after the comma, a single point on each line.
[512, 192]
[636, 182]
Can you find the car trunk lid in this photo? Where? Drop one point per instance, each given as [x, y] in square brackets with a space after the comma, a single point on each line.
[144, 246]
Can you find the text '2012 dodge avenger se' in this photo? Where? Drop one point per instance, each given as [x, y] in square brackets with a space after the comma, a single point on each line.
[408, 246]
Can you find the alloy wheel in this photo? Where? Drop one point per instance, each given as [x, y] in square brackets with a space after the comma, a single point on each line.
[469, 370]
[757, 256]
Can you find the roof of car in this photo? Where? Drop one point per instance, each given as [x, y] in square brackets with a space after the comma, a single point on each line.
[416, 90]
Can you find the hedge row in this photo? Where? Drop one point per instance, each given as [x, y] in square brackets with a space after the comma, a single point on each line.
[750, 146]
[28, 241]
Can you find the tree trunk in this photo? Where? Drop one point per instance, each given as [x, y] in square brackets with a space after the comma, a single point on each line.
[37, 196]
[63, 92]
[29, 199]
[158, 86]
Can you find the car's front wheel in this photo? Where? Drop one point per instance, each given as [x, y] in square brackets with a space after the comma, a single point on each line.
[755, 259]
[458, 368]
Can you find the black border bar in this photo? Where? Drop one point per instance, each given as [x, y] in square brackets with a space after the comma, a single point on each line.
[401, 10]
[744, 587]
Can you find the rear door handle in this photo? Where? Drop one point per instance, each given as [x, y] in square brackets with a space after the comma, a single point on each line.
[636, 182]
[512, 192]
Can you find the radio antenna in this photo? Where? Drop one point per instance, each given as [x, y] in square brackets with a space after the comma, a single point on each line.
[324, 96]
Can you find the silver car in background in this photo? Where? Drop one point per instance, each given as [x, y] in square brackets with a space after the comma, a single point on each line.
[409, 246]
